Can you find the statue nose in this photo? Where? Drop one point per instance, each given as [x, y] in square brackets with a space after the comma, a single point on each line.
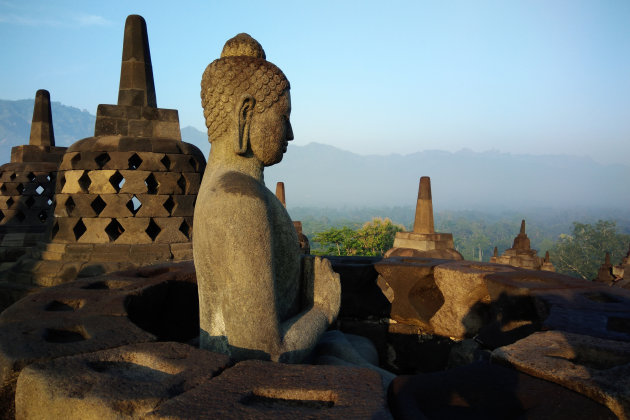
[289, 131]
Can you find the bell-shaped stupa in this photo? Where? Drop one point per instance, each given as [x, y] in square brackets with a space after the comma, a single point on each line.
[125, 197]
[27, 186]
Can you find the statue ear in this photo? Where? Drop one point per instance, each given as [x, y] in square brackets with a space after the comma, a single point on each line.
[245, 109]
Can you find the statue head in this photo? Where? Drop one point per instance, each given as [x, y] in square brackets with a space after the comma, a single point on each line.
[246, 101]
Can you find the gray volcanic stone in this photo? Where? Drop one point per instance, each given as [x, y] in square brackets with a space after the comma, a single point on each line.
[258, 299]
[256, 389]
[127, 381]
[597, 368]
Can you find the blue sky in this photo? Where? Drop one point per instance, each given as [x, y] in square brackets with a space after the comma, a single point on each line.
[532, 77]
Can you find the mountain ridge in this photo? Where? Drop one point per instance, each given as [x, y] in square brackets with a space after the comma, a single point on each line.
[321, 175]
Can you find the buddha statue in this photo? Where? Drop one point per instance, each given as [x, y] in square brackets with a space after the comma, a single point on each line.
[258, 299]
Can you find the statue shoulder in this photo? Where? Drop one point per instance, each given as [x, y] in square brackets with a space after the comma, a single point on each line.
[236, 183]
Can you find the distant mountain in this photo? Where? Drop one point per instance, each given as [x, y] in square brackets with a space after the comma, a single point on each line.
[70, 124]
[321, 175]
[318, 175]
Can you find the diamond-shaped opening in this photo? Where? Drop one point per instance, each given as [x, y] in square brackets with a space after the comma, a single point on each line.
[182, 183]
[1, 215]
[78, 229]
[43, 216]
[54, 231]
[193, 164]
[75, 159]
[20, 188]
[134, 205]
[39, 190]
[85, 181]
[114, 230]
[29, 202]
[70, 205]
[20, 216]
[117, 181]
[184, 228]
[98, 205]
[169, 204]
[12, 177]
[134, 161]
[166, 162]
[10, 202]
[102, 159]
[49, 176]
[152, 184]
[31, 176]
[62, 182]
[49, 201]
[3, 188]
[153, 230]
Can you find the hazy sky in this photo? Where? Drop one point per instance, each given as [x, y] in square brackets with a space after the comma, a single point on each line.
[372, 77]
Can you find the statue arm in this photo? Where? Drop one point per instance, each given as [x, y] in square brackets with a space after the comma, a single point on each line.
[250, 311]
[323, 290]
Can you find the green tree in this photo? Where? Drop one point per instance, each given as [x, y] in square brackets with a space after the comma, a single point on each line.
[581, 253]
[372, 239]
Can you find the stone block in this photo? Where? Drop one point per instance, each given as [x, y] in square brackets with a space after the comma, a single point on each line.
[140, 128]
[100, 182]
[110, 252]
[152, 205]
[95, 230]
[134, 144]
[193, 181]
[409, 286]
[37, 340]
[486, 391]
[72, 205]
[135, 181]
[168, 183]
[466, 306]
[166, 130]
[172, 229]
[182, 251]
[115, 205]
[150, 253]
[257, 389]
[135, 230]
[558, 302]
[127, 381]
[184, 205]
[166, 145]
[71, 183]
[590, 366]
[152, 162]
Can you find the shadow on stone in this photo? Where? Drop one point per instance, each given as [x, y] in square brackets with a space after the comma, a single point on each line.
[169, 310]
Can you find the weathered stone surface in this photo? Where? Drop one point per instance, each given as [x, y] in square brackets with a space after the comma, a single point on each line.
[486, 391]
[127, 381]
[521, 254]
[597, 368]
[409, 285]
[465, 297]
[142, 305]
[270, 306]
[559, 302]
[257, 389]
[339, 349]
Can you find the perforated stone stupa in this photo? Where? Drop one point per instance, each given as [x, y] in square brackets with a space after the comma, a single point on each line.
[126, 196]
[27, 187]
[522, 255]
[424, 241]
